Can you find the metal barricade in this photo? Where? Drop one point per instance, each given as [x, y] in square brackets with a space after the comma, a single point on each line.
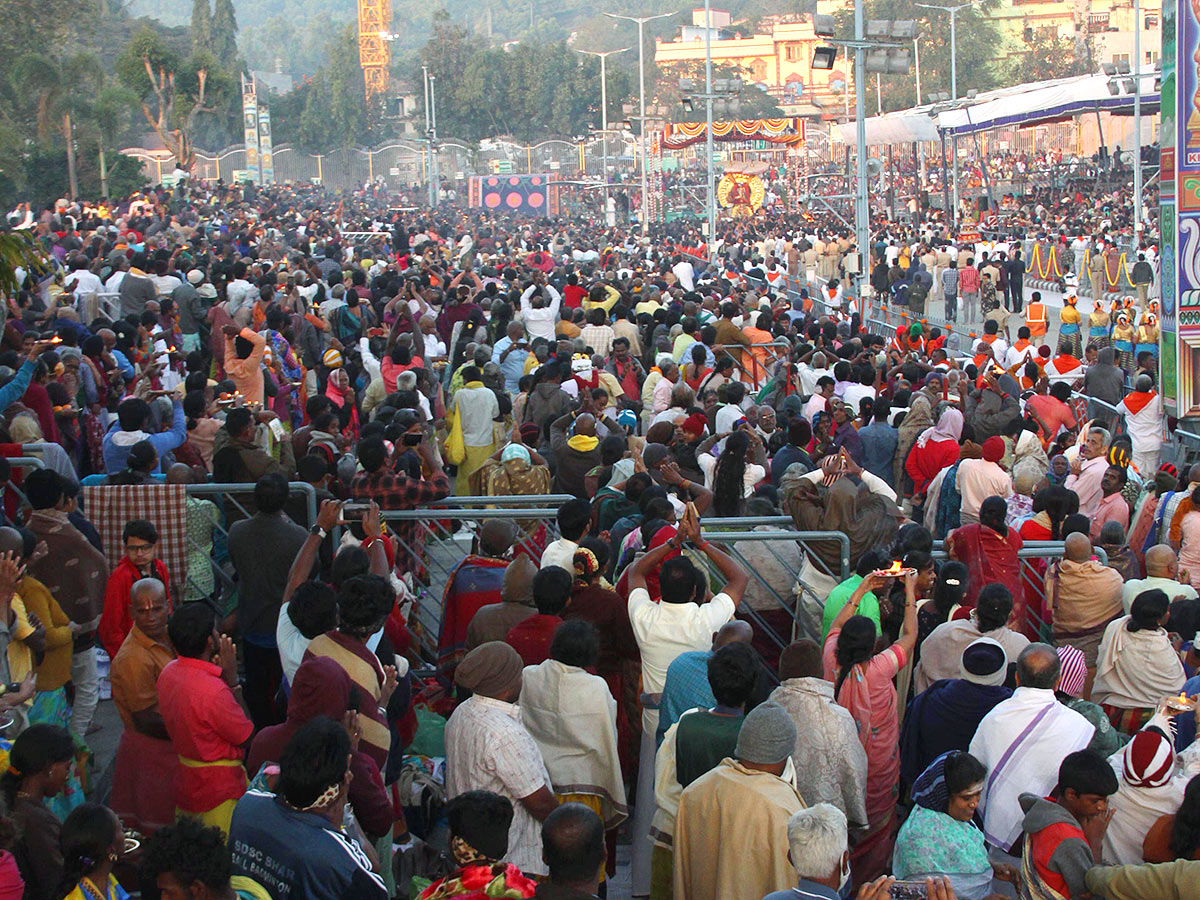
[432, 542]
[773, 556]
[1035, 557]
[214, 544]
[759, 371]
[20, 462]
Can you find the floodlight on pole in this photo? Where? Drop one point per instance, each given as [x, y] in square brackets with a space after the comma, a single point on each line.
[824, 57]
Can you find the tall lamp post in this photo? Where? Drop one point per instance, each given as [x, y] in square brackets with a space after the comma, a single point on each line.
[604, 55]
[1137, 124]
[883, 42]
[953, 10]
[641, 22]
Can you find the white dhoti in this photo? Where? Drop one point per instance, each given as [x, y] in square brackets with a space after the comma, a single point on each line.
[643, 808]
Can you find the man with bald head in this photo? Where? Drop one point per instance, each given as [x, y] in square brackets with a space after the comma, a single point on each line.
[687, 685]
[1022, 742]
[1162, 574]
[573, 851]
[146, 763]
[1082, 596]
[576, 448]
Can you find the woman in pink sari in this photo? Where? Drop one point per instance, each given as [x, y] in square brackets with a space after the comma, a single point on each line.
[863, 684]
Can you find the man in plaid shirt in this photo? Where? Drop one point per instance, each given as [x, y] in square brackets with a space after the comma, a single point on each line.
[398, 490]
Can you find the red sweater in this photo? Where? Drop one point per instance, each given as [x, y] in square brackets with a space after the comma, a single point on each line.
[115, 621]
[924, 463]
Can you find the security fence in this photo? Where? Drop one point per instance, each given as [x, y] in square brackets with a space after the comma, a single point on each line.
[233, 502]
[771, 552]
[431, 543]
[10, 490]
[1035, 558]
[405, 163]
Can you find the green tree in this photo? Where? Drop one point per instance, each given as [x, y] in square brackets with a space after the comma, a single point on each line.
[978, 42]
[38, 24]
[173, 92]
[1047, 56]
[334, 113]
[201, 25]
[223, 32]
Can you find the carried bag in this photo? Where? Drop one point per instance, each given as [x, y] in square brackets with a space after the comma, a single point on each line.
[456, 445]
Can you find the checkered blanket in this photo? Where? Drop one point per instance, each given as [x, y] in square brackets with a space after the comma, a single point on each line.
[110, 507]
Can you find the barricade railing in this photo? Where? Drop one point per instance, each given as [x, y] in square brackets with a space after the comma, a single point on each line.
[773, 558]
[432, 542]
[214, 543]
[759, 371]
[20, 462]
[1035, 557]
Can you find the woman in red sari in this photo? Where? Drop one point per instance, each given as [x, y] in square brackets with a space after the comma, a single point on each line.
[934, 450]
[1051, 506]
[989, 551]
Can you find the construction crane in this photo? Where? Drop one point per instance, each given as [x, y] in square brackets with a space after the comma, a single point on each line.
[374, 46]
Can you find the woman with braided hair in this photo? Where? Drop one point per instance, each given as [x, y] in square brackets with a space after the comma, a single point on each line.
[93, 841]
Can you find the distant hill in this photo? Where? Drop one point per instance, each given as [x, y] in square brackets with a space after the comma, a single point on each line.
[293, 33]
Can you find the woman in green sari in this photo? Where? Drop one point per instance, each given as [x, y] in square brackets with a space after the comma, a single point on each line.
[939, 838]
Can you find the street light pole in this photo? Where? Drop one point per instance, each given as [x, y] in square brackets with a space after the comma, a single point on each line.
[708, 131]
[1137, 123]
[434, 182]
[641, 21]
[862, 212]
[953, 10]
[604, 54]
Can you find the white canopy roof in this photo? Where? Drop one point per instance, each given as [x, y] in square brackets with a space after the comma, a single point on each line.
[1023, 104]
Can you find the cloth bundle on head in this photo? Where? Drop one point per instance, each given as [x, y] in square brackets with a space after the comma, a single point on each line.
[929, 791]
[696, 423]
[1149, 759]
[585, 562]
[768, 735]
[518, 581]
[490, 669]
[515, 451]
[332, 359]
[993, 449]
[1073, 673]
[984, 662]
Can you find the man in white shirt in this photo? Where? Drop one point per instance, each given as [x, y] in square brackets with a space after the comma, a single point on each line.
[574, 516]
[1142, 409]
[1022, 742]
[239, 292]
[684, 273]
[811, 371]
[727, 415]
[681, 622]
[120, 269]
[538, 313]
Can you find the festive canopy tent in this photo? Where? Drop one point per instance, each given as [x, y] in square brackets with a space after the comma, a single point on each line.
[775, 131]
[1024, 104]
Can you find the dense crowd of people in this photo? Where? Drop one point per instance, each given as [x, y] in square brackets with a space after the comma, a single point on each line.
[753, 717]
